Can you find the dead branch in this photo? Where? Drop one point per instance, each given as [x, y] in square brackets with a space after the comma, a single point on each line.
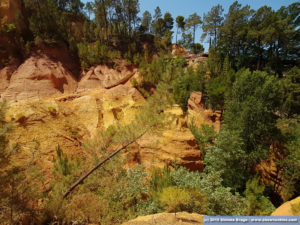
[86, 175]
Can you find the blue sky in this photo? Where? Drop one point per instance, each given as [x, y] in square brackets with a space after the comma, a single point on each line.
[187, 7]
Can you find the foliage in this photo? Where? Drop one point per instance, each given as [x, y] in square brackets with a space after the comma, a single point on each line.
[290, 164]
[212, 22]
[93, 54]
[146, 22]
[251, 110]
[219, 199]
[180, 24]
[46, 21]
[18, 190]
[258, 204]
[197, 48]
[227, 156]
[204, 136]
[290, 87]
[174, 199]
[192, 23]
[186, 83]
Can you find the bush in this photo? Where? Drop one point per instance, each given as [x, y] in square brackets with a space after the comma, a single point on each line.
[184, 85]
[173, 199]
[258, 204]
[93, 54]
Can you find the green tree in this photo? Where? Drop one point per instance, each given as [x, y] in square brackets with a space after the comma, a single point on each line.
[258, 204]
[227, 155]
[197, 48]
[260, 31]
[146, 22]
[46, 21]
[212, 22]
[157, 13]
[290, 162]
[90, 7]
[204, 136]
[221, 200]
[169, 21]
[193, 22]
[251, 109]
[76, 6]
[180, 24]
[290, 88]
[186, 40]
[184, 85]
[234, 32]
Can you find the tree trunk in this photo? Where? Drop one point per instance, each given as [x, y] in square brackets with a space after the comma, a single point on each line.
[86, 175]
[176, 34]
[194, 34]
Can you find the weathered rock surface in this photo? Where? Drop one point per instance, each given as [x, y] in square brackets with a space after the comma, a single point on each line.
[192, 59]
[181, 218]
[286, 208]
[173, 144]
[199, 115]
[102, 76]
[39, 77]
[70, 118]
[6, 73]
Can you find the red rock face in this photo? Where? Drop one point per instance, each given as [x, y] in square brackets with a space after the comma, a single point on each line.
[39, 77]
[6, 73]
[102, 76]
[200, 115]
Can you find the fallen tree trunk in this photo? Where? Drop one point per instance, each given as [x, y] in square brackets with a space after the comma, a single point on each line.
[86, 175]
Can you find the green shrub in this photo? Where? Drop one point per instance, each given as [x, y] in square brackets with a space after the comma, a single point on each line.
[183, 87]
[91, 54]
[258, 204]
[204, 136]
[173, 199]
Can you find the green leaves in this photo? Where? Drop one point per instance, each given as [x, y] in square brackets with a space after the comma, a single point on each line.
[258, 204]
[251, 109]
[227, 155]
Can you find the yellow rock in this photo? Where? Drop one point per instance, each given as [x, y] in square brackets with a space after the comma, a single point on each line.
[286, 208]
[181, 218]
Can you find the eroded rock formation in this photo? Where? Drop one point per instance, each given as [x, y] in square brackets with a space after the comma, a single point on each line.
[103, 76]
[69, 119]
[199, 115]
[286, 208]
[39, 77]
[174, 144]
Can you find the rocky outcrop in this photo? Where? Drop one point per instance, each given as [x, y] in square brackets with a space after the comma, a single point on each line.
[181, 218]
[199, 115]
[174, 144]
[192, 59]
[103, 76]
[6, 73]
[69, 119]
[39, 77]
[290, 208]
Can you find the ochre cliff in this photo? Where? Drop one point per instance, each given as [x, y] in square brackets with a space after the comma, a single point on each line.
[70, 119]
[39, 77]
